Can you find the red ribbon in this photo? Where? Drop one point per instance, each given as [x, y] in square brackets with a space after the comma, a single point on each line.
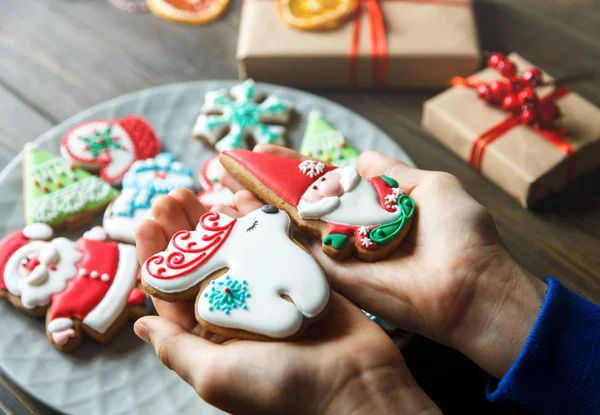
[553, 135]
[379, 49]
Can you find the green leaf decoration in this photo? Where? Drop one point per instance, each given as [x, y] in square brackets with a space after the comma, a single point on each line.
[385, 233]
[336, 240]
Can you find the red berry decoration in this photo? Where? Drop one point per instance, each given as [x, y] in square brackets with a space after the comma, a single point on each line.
[506, 68]
[483, 91]
[533, 77]
[510, 102]
[528, 96]
[550, 113]
[528, 116]
[494, 59]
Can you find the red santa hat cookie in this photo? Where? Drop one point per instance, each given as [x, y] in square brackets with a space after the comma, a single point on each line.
[110, 146]
[237, 290]
[89, 285]
[369, 217]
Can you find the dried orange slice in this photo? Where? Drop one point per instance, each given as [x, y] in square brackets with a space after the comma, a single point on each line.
[316, 14]
[188, 11]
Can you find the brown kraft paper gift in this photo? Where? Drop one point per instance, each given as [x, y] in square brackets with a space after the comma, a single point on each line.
[427, 42]
[521, 161]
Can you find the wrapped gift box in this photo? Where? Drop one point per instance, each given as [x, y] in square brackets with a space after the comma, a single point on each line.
[528, 164]
[398, 43]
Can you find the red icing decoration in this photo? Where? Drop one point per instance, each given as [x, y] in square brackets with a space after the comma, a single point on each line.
[280, 174]
[207, 184]
[176, 260]
[8, 246]
[136, 297]
[383, 189]
[145, 141]
[84, 293]
[32, 263]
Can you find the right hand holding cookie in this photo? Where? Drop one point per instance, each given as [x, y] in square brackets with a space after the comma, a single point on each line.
[452, 280]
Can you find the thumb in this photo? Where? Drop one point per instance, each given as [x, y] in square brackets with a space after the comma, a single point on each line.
[187, 355]
[372, 164]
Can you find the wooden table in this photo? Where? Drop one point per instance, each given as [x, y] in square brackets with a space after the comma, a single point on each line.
[59, 57]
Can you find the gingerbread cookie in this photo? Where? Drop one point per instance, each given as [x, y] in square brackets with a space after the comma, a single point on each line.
[260, 294]
[58, 193]
[369, 217]
[110, 147]
[144, 181]
[325, 143]
[214, 192]
[316, 14]
[84, 286]
[241, 117]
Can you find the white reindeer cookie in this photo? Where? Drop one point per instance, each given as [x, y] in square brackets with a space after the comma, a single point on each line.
[249, 278]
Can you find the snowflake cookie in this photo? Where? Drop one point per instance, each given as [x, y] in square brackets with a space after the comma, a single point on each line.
[241, 117]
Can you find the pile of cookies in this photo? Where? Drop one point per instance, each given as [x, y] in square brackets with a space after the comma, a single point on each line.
[94, 285]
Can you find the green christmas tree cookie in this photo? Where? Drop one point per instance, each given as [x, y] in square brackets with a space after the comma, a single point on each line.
[324, 142]
[57, 191]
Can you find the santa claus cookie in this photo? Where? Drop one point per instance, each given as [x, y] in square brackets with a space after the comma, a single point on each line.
[214, 192]
[349, 213]
[266, 293]
[58, 193]
[110, 147]
[145, 180]
[241, 117]
[84, 286]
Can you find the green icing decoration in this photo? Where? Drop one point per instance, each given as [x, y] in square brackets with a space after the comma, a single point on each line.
[227, 295]
[324, 142]
[337, 240]
[55, 190]
[391, 182]
[383, 234]
[100, 141]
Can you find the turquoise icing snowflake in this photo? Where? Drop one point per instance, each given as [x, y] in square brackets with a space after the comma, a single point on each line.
[239, 113]
[227, 294]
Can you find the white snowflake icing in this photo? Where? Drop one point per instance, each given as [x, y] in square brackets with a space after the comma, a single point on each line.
[391, 200]
[363, 230]
[311, 168]
[366, 242]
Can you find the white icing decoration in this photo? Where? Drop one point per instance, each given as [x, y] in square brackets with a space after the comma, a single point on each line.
[114, 162]
[39, 231]
[59, 324]
[94, 274]
[316, 210]
[96, 233]
[122, 228]
[69, 200]
[102, 317]
[219, 194]
[363, 230]
[105, 277]
[359, 207]
[350, 177]
[39, 295]
[366, 242]
[311, 168]
[292, 272]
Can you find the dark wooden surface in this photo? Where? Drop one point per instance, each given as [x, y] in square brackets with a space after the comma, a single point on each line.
[58, 57]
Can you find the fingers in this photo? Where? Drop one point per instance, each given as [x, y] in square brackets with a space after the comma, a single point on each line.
[228, 181]
[149, 239]
[180, 313]
[372, 164]
[189, 203]
[227, 210]
[246, 202]
[190, 356]
[167, 211]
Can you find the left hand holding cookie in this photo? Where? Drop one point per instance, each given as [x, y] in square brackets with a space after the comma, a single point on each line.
[343, 364]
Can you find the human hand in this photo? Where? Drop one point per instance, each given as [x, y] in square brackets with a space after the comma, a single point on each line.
[451, 280]
[344, 364]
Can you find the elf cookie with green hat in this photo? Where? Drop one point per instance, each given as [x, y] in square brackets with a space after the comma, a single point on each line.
[350, 214]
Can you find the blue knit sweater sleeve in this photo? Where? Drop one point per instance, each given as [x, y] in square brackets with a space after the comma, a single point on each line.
[558, 370]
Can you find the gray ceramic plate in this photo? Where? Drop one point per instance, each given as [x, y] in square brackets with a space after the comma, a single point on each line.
[125, 377]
